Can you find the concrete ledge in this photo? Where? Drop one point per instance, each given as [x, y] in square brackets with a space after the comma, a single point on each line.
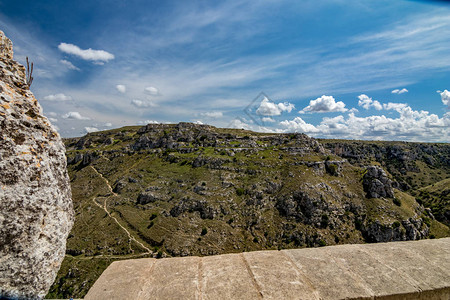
[397, 270]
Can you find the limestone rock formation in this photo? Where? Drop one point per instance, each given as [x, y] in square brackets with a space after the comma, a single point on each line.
[376, 183]
[36, 212]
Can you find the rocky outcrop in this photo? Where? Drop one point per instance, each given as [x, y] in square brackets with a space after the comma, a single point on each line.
[400, 159]
[36, 212]
[376, 183]
[147, 197]
[193, 205]
[409, 229]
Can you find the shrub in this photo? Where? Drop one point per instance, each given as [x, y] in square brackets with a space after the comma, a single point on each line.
[332, 169]
[397, 202]
[358, 224]
[204, 231]
[322, 243]
[240, 191]
[396, 224]
[324, 222]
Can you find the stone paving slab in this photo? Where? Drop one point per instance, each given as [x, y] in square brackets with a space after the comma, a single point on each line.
[277, 276]
[170, 278]
[397, 270]
[226, 277]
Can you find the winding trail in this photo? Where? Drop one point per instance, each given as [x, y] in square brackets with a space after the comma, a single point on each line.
[130, 237]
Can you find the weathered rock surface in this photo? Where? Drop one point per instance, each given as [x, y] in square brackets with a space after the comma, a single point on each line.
[36, 212]
[376, 183]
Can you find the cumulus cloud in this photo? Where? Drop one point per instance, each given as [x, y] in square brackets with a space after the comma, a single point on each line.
[198, 122]
[268, 108]
[142, 103]
[69, 65]
[90, 129]
[74, 115]
[324, 104]
[239, 124]
[410, 125]
[445, 97]
[57, 97]
[366, 102]
[86, 54]
[395, 106]
[268, 120]
[148, 122]
[53, 120]
[213, 114]
[397, 91]
[108, 124]
[121, 88]
[151, 90]
[299, 125]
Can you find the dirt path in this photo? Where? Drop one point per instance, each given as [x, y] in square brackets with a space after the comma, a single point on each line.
[130, 237]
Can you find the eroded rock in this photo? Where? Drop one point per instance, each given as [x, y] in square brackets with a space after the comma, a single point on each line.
[36, 212]
[376, 183]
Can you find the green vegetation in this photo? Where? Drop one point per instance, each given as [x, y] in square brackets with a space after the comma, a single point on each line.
[437, 197]
[184, 189]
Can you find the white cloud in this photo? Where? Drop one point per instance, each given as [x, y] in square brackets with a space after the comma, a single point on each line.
[90, 129]
[57, 97]
[298, 125]
[367, 102]
[239, 124]
[142, 103]
[353, 110]
[53, 120]
[268, 120]
[74, 115]
[151, 90]
[410, 125]
[397, 91]
[198, 122]
[69, 65]
[121, 88]
[324, 104]
[88, 54]
[213, 114]
[395, 106]
[51, 114]
[108, 124]
[268, 108]
[445, 97]
[148, 122]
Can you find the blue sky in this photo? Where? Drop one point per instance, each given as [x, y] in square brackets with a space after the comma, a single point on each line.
[337, 69]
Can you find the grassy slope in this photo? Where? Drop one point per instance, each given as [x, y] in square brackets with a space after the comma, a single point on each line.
[245, 215]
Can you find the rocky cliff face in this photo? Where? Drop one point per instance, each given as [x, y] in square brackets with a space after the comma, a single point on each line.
[376, 183]
[188, 189]
[36, 212]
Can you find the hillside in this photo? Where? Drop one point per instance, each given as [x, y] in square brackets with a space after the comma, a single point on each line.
[437, 197]
[185, 189]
